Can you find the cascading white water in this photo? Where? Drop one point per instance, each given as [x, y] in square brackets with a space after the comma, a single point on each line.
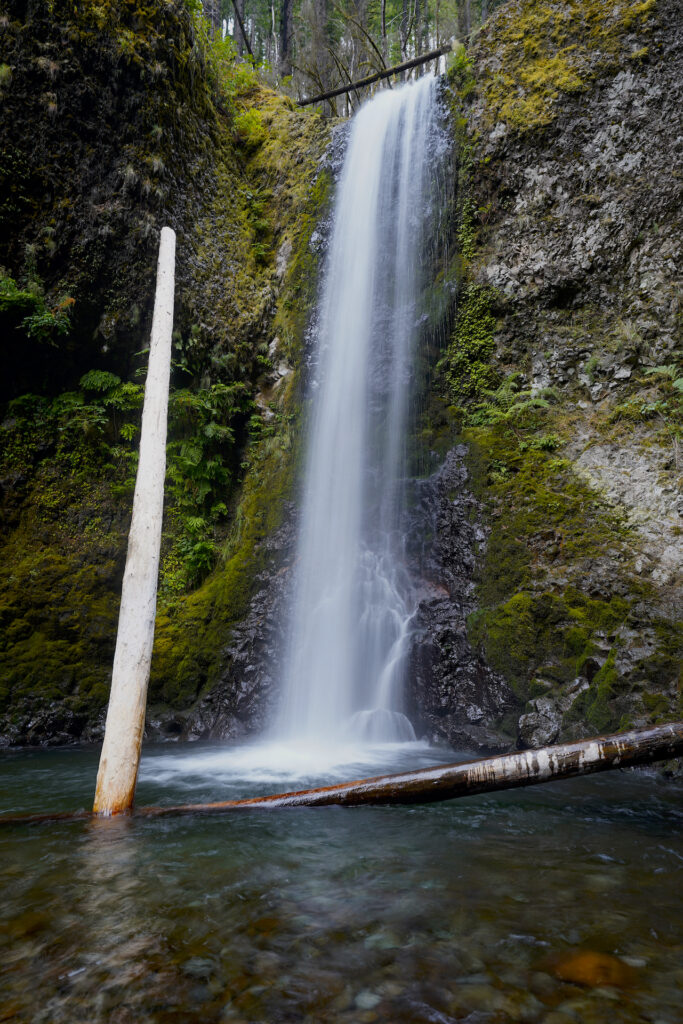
[352, 609]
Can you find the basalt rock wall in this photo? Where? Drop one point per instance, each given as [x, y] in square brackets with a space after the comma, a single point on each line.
[564, 368]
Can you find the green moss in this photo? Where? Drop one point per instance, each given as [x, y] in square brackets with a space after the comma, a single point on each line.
[242, 188]
[544, 634]
[536, 499]
[58, 623]
[546, 523]
[605, 688]
[544, 49]
[249, 127]
[467, 359]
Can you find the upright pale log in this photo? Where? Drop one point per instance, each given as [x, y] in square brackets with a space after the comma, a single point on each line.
[120, 756]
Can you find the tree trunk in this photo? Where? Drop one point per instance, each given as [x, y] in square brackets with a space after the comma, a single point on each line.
[464, 18]
[240, 34]
[125, 724]
[273, 54]
[386, 73]
[285, 67]
[321, 44]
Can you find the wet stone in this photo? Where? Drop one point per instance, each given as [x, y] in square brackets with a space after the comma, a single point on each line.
[593, 969]
[198, 967]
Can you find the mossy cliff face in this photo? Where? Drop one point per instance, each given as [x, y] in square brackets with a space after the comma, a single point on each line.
[146, 123]
[562, 371]
[564, 368]
[107, 129]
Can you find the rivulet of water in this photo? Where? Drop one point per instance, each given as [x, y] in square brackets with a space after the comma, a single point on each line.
[351, 617]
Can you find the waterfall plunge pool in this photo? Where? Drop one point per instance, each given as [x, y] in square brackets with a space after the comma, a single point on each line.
[448, 912]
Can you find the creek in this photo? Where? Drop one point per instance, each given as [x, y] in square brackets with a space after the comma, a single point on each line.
[440, 913]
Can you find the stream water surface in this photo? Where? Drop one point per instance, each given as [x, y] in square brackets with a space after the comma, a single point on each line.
[449, 912]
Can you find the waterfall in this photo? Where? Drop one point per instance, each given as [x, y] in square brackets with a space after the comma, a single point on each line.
[351, 617]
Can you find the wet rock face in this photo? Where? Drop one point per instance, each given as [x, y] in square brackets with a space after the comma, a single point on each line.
[654, 507]
[41, 723]
[595, 191]
[94, 172]
[542, 723]
[577, 245]
[245, 698]
[455, 696]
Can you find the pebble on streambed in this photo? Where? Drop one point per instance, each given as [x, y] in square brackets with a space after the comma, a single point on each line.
[594, 970]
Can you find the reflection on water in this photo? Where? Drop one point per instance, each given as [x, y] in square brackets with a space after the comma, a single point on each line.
[450, 912]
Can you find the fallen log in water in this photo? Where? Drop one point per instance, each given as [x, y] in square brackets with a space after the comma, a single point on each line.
[445, 782]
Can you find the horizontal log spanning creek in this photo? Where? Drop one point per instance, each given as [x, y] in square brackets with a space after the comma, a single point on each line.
[445, 782]
[378, 76]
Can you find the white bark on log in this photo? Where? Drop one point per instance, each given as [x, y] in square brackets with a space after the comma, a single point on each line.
[486, 775]
[120, 757]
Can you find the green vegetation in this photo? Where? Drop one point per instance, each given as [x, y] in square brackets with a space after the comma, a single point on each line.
[544, 49]
[25, 311]
[467, 360]
[200, 143]
[546, 635]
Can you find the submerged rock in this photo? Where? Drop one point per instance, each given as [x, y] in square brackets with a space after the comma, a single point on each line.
[594, 970]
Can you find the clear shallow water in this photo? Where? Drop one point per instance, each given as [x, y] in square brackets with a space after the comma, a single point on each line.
[447, 912]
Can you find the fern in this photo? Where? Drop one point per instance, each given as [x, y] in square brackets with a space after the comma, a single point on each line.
[665, 371]
[99, 380]
[508, 402]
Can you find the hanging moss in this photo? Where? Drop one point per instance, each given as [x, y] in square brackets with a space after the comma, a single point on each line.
[467, 359]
